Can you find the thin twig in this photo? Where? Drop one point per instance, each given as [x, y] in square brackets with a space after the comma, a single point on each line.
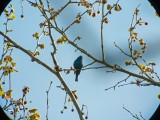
[86, 53]
[141, 116]
[134, 116]
[93, 68]
[109, 11]
[124, 80]
[48, 99]
[84, 106]
[122, 50]
[89, 64]
[102, 41]
[79, 15]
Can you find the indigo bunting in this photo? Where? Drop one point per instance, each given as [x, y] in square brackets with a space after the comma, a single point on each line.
[78, 66]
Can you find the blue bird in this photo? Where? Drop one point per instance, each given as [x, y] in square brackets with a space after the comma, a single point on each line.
[78, 66]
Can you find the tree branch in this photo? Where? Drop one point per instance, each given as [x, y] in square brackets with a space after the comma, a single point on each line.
[50, 69]
[102, 41]
[48, 99]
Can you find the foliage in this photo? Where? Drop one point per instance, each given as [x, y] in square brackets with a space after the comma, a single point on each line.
[147, 75]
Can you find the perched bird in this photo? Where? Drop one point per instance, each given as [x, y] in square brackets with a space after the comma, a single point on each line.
[78, 66]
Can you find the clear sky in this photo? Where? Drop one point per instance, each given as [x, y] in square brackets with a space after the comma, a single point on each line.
[91, 86]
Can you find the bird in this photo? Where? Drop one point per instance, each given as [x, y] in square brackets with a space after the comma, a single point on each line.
[78, 66]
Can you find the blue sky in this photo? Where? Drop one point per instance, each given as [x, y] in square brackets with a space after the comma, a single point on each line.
[90, 88]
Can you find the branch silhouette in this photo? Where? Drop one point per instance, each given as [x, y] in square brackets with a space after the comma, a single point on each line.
[51, 24]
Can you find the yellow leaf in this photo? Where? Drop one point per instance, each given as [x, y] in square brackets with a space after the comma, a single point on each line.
[13, 64]
[109, 7]
[1, 87]
[61, 40]
[1, 90]
[136, 11]
[8, 59]
[37, 116]
[74, 94]
[5, 11]
[78, 38]
[36, 53]
[105, 20]
[104, 1]
[8, 94]
[148, 69]
[32, 110]
[142, 66]
[8, 70]
[69, 100]
[11, 16]
[127, 62]
[64, 39]
[1, 93]
[134, 35]
[117, 8]
[31, 117]
[41, 46]
[36, 35]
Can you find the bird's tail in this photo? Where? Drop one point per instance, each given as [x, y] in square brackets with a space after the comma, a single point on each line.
[76, 79]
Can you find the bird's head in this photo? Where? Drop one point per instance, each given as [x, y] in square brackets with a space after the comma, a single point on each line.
[80, 58]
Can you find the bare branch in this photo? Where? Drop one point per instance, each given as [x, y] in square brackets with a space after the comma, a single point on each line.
[102, 41]
[134, 116]
[48, 68]
[89, 64]
[109, 11]
[118, 83]
[48, 99]
[122, 50]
